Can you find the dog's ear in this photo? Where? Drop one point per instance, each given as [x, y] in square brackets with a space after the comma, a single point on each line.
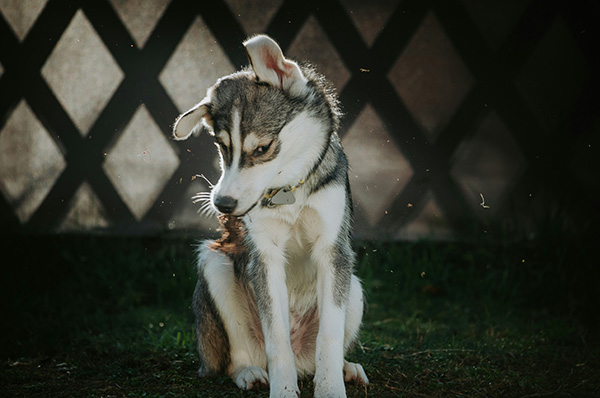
[270, 66]
[190, 121]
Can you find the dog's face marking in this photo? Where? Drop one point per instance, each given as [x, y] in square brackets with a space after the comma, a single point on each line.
[255, 150]
[259, 149]
[248, 150]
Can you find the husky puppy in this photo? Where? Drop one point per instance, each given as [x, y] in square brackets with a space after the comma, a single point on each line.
[279, 300]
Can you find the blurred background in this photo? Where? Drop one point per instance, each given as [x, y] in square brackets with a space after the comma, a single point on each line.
[462, 118]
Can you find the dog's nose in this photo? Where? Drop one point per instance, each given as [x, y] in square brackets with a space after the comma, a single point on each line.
[225, 204]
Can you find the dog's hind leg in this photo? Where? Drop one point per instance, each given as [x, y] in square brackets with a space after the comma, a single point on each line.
[329, 358]
[237, 351]
[212, 341]
[354, 372]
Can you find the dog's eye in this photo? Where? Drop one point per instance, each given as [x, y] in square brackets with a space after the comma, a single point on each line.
[220, 145]
[261, 150]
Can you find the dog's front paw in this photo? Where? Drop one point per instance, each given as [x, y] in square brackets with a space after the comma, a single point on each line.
[355, 372]
[330, 387]
[280, 388]
[286, 392]
[251, 378]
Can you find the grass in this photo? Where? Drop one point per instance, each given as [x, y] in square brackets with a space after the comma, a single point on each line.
[110, 317]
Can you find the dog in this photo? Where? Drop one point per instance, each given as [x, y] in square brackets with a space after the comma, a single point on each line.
[276, 297]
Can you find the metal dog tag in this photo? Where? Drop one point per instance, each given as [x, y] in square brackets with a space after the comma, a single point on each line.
[283, 197]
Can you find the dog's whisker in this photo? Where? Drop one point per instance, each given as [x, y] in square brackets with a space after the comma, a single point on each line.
[201, 197]
[201, 209]
[210, 184]
[206, 209]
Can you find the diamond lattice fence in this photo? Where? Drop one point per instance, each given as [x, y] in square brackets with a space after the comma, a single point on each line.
[460, 115]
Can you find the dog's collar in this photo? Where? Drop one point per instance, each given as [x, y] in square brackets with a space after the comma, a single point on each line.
[282, 196]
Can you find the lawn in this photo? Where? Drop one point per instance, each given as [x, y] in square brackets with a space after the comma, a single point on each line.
[110, 317]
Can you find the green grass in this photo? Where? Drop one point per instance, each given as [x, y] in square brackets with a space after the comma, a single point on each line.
[111, 317]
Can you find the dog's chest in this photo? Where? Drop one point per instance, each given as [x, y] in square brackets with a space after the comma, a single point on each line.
[301, 275]
[290, 214]
[303, 254]
[295, 229]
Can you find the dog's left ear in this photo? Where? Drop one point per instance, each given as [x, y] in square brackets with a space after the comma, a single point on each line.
[270, 66]
[190, 121]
